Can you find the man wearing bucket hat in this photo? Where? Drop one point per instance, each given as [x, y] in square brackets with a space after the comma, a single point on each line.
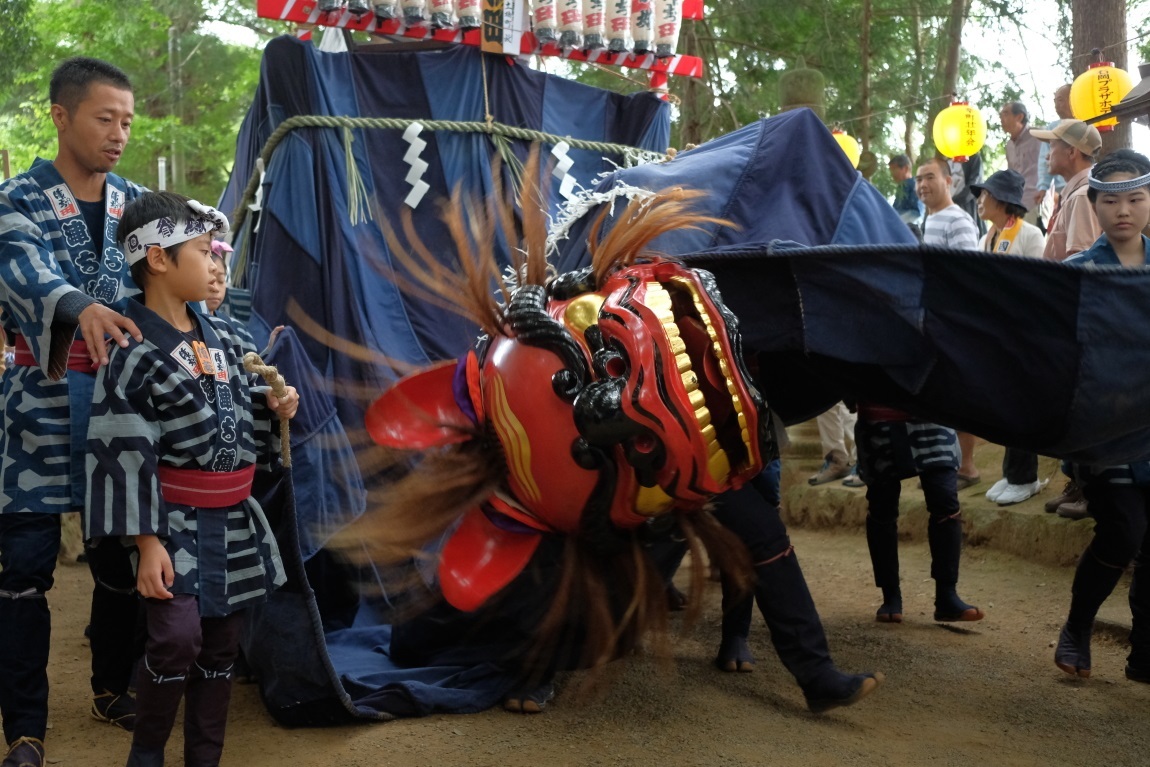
[1073, 147]
[1000, 202]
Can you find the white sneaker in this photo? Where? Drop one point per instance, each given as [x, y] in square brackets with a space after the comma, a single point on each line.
[996, 489]
[1018, 493]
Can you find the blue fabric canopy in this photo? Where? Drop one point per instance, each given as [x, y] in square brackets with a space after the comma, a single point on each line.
[307, 250]
[1025, 352]
[321, 653]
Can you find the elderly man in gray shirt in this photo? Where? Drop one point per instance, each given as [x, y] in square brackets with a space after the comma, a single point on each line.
[1022, 153]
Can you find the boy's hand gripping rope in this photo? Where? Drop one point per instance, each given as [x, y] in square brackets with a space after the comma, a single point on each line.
[254, 364]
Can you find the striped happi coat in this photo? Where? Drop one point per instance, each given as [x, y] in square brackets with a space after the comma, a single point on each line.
[902, 449]
[153, 406]
[47, 253]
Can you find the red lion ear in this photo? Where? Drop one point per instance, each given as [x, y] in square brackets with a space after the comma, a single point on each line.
[480, 558]
[420, 411]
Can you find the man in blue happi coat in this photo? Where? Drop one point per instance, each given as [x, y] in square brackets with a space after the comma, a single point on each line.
[63, 281]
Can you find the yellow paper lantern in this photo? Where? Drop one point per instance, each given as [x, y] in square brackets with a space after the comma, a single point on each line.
[1096, 90]
[959, 131]
[849, 146]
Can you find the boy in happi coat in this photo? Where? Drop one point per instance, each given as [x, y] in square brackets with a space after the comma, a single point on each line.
[177, 429]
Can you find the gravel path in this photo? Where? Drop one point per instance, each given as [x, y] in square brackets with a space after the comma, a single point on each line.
[988, 694]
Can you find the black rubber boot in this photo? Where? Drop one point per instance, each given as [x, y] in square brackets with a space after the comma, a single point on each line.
[157, 701]
[734, 654]
[797, 633]
[945, 537]
[1093, 582]
[1138, 662]
[206, 701]
[891, 609]
[785, 602]
[882, 542]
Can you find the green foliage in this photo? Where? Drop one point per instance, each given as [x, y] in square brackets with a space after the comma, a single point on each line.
[747, 45]
[192, 88]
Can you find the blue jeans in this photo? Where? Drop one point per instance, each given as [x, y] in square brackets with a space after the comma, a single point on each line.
[29, 544]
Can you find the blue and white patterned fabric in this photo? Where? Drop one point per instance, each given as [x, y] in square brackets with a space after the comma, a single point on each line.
[902, 449]
[153, 406]
[49, 259]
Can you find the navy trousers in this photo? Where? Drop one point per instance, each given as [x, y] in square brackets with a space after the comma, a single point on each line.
[29, 544]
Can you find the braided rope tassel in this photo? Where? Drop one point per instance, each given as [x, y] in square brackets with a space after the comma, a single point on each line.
[253, 363]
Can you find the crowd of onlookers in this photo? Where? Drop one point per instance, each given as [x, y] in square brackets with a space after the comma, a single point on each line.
[1059, 200]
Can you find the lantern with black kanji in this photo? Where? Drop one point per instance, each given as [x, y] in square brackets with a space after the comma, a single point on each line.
[1097, 89]
[959, 131]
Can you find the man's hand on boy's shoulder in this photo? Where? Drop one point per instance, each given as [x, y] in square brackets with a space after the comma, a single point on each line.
[97, 322]
[286, 406]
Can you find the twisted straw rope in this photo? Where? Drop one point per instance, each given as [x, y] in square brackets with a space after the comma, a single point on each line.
[253, 363]
[395, 123]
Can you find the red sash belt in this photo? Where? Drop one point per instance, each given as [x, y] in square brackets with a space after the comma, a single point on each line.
[875, 413]
[205, 489]
[78, 358]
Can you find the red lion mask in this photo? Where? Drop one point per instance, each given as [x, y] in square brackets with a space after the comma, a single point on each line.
[615, 399]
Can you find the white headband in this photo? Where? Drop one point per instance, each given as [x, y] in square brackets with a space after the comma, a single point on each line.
[166, 232]
[1126, 185]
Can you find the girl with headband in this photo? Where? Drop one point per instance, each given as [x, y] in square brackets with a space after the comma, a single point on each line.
[1118, 496]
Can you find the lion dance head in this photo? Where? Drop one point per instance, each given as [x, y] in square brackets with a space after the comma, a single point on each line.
[597, 405]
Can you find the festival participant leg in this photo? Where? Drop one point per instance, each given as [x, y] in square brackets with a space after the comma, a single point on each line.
[29, 544]
[1019, 478]
[209, 691]
[882, 495]
[174, 643]
[1119, 511]
[944, 534]
[786, 604]
[734, 653]
[114, 625]
[115, 631]
[1138, 662]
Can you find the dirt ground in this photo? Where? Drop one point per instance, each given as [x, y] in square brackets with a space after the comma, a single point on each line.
[985, 694]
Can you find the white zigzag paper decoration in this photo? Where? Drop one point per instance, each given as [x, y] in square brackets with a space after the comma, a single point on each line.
[563, 163]
[419, 187]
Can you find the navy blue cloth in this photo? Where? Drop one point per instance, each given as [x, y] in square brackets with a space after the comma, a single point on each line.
[321, 655]
[307, 250]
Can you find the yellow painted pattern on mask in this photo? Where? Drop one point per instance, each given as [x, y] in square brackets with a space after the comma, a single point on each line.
[514, 439]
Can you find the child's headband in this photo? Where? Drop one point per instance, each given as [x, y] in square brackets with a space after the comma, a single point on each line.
[166, 232]
[1126, 185]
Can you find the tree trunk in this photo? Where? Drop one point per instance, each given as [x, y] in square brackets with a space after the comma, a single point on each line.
[954, 23]
[916, 80]
[864, 87]
[695, 92]
[1101, 24]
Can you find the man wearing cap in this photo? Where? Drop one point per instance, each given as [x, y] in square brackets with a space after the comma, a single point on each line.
[1050, 184]
[1022, 153]
[1073, 227]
